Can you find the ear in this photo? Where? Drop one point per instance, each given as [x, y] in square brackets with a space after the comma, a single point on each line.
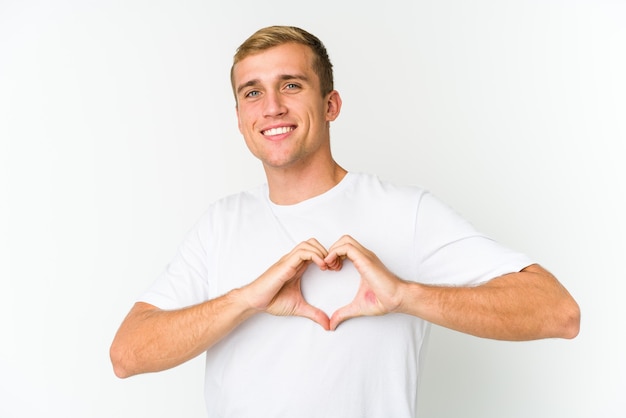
[333, 105]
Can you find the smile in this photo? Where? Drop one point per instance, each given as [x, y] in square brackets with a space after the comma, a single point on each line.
[278, 131]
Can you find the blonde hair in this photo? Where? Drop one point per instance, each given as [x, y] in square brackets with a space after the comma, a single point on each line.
[272, 36]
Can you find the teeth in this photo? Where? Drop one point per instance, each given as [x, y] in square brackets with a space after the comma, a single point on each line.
[278, 131]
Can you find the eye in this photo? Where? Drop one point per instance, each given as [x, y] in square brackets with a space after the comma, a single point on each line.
[292, 86]
[252, 93]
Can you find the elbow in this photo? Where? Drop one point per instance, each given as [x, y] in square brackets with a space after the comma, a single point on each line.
[569, 322]
[572, 322]
[119, 361]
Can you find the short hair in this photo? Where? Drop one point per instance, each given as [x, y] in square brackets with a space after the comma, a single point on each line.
[272, 36]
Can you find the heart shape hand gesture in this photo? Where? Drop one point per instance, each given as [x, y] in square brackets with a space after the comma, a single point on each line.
[278, 291]
[380, 291]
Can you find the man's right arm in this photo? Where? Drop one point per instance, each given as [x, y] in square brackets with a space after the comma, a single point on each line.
[151, 339]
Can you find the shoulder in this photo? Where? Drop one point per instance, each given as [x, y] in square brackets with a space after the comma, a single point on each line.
[374, 186]
[239, 201]
[390, 198]
[232, 207]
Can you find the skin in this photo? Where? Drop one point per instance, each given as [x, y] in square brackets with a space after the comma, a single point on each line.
[527, 305]
[277, 89]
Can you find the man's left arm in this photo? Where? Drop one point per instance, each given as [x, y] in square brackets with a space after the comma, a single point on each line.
[527, 305]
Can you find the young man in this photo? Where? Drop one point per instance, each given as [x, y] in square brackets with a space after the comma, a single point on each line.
[312, 295]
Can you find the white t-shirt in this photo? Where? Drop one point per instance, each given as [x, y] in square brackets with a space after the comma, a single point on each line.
[289, 366]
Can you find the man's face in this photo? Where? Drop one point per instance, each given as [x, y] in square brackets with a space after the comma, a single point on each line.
[280, 110]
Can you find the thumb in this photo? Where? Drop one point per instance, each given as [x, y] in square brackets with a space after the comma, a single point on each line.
[343, 314]
[314, 314]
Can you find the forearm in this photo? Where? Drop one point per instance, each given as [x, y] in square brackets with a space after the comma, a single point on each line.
[151, 339]
[527, 305]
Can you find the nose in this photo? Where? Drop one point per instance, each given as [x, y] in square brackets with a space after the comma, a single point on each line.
[274, 104]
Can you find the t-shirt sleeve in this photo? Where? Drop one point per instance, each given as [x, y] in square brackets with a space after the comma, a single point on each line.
[184, 280]
[452, 252]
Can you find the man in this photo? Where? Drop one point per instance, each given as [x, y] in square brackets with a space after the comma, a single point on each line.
[312, 295]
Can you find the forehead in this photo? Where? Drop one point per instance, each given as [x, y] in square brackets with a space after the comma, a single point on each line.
[275, 62]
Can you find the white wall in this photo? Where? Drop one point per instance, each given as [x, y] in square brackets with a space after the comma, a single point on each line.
[117, 129]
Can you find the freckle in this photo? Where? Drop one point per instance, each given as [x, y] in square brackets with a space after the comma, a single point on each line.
[370, 297]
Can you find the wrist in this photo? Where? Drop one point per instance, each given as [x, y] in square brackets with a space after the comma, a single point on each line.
[240, 297]
[409, 297]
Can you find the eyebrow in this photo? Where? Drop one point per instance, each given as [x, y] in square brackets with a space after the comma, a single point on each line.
[284, 77]
[247, 84]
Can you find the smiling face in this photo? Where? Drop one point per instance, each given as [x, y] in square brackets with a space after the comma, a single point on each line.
[280, 108]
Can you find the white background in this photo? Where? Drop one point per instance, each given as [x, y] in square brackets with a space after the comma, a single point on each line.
[117, 129]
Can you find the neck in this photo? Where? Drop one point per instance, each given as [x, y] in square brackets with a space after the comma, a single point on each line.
[288, 186]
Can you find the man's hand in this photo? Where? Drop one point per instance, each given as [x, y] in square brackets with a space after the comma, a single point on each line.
[278, 290]
[526, 305]
[380, 291]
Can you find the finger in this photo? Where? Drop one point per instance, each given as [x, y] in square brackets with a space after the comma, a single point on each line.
[316, 244]
[316, 258]
[312, 250]
[315, 315]
[343, 314]
[334, 261]
[344, 240]
[304, 255]
[337, 253]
